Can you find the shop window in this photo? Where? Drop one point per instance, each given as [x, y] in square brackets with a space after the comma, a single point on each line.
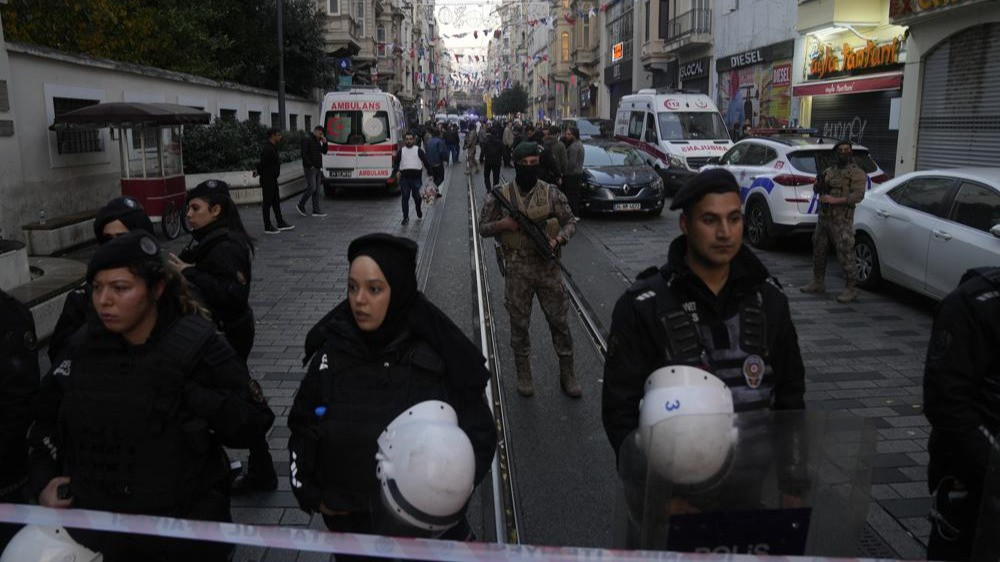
[976, 206]
[76, 142]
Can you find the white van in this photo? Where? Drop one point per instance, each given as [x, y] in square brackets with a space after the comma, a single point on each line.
[364, 128]
[676, 132]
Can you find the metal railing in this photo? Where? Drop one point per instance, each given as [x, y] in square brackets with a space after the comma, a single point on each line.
[691, 22]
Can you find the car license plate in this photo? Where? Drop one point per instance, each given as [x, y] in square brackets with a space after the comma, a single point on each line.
[628, 207]
[343, 173]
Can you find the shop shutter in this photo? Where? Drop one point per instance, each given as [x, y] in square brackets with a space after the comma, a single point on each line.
[861, 118]
[960, 108]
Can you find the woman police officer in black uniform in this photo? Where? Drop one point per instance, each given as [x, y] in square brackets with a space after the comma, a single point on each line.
[380, 351]
[120, 215]
[217, 263]
[135, 412]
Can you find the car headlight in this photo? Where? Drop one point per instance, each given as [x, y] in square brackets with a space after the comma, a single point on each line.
[657, 184]
[675, 162]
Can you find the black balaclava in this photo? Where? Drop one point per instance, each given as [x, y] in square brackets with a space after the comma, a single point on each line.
[397, 258]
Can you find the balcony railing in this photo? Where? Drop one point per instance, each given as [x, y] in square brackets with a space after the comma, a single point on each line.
[690, 23]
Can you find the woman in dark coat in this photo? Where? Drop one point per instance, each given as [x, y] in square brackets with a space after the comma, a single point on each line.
[381, 350]
[218, 263]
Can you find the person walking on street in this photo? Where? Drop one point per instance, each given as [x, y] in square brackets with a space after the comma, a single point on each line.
[960, 373]
[471, 158]
[528, 273]
[453, 142]
[268, 169]
[508, 143]
[217, 262]
[313, 148]
[382, 350]
[407, 167]
[492, 158]
[134, 415]
[437, 157]
[713, 306]
[574, 168]
[839, 188]
[557, 148]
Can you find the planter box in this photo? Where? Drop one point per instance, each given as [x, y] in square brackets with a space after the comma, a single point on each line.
[245, 189]
[13, 264]
[59, 233]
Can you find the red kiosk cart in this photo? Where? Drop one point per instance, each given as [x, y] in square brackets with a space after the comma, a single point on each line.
[149, 145]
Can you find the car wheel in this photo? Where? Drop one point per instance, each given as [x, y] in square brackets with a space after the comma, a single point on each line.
[759, 225]
[170, 221]
[866, 262]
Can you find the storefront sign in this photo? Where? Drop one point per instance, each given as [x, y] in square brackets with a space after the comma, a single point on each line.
[907, 9]
[849, 60]
[850, 86]
[753, 57]
[781, 74]
[694, 69]
[617, 51]
[746, 59]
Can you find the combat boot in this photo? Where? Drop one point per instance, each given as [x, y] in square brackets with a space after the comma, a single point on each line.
[568, 379]
[523, 365]
[850, 294]
[816, 287]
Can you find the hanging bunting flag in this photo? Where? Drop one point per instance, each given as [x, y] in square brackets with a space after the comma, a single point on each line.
[569, 19]
[496, 34]
[475, 34]
[591, 13]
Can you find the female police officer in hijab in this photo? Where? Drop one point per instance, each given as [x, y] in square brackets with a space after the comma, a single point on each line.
[217, 263]
[134, 414]
[120, 215]
[380, 351]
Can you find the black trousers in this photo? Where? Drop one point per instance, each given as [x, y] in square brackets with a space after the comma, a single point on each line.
[491, 168]
[271, 201]
[571, 187]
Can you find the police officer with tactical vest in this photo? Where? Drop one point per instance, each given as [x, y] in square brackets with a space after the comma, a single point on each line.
[527, 272]
[961, 401]
[713, 306]
[18, 383]
[839, 188]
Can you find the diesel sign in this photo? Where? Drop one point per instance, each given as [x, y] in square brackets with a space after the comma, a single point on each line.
[694, 69]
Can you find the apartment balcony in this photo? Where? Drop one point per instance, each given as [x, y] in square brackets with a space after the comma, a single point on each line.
[342, 36]
[586, 57]
[690, 30]
[655, 54]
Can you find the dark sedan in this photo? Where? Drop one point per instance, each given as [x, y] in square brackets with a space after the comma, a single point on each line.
[616, 178]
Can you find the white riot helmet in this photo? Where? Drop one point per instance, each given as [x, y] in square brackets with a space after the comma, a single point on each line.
[694, 447]
[46, 544]
[426, 467]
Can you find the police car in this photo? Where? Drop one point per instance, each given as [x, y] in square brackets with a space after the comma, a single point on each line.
[776, 176]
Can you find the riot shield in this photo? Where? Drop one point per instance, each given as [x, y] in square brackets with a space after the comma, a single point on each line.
[777, 483]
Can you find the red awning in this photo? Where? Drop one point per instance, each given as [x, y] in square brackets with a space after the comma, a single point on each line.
[852, 85]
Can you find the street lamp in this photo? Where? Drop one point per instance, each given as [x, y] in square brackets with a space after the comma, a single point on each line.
[281, 65]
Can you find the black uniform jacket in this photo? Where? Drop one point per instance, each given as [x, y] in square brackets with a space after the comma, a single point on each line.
[212, 400]
[962, 381]
[637, 340]
[78, 309]
[312, 152]
[349, 396]
[18, 384]
[221, 272]
[269, 167]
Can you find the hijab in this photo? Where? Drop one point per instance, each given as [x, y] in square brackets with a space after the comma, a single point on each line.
[397, 258]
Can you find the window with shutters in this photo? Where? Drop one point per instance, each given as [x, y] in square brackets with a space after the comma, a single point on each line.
[76, 142]
[565, 47]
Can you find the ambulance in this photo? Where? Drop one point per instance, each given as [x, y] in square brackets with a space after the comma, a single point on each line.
[364, 127]
[677, 133]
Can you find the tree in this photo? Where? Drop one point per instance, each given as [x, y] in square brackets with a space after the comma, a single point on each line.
[510, 101]
[231, 40]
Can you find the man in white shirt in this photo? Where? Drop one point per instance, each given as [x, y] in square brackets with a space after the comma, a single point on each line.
[407, 166]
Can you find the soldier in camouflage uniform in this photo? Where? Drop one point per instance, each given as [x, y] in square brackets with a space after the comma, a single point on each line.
[528, 273]
[840, 187]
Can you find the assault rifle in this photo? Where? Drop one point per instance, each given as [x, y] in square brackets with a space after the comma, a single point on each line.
[539, 240]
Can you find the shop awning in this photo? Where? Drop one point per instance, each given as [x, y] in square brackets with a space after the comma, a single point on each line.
[129, 114]
[851, 85]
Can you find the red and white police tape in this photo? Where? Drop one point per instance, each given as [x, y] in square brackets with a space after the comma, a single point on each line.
[297, 538]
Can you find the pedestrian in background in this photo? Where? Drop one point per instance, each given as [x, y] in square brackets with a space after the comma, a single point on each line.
[557, 148]
[407, 167]
[134, 414]
[471, 146]
[217, 263]
[437, 157]
[453, 142]
[492, 158]
[528, 273]
[313, 148]
[18, 384]
[119, 216]
[508, 143]
[380, 351]
[268, 169]
[960, 402]
[574, 168]
[839, 188]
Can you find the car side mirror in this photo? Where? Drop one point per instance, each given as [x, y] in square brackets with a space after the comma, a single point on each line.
[995, 231]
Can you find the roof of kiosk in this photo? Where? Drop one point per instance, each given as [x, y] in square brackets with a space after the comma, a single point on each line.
[130, 115]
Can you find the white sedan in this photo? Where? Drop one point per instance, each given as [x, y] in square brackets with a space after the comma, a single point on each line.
[924, 230]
